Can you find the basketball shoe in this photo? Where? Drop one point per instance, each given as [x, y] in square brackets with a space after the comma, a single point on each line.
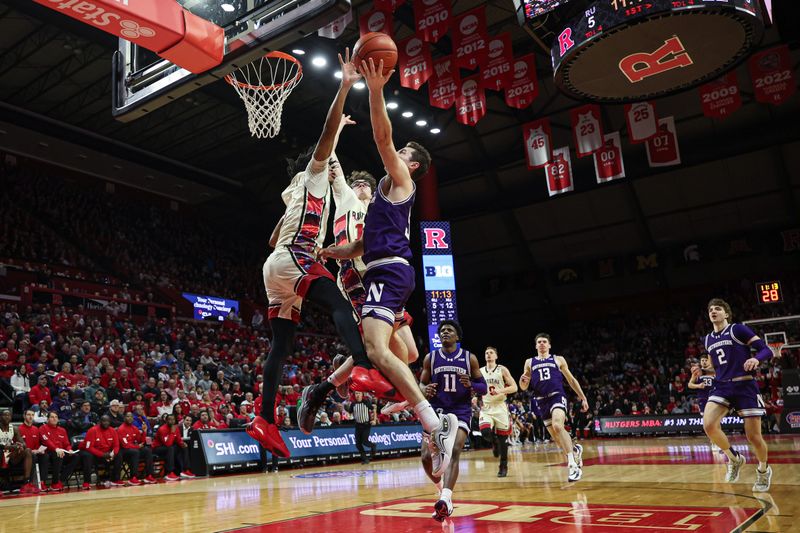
[371, 380]
[311, 400]
[734, 467]
[578, 450]
[441, 444]
[575, 473]
[268, 435]
[763, 480]
[442, 509]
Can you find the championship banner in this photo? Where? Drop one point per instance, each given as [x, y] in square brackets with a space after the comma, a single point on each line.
[439, 276]
[642, 121]
[608, 163]
[444, 83]
[662, 148]
[470, 38]
[660, 424]
[587, 129]
[376, 20]
[772, 75]
[559, 172]
[415, 62]
[523, 87]
[496, 73]
[721, 97]
[335, 29]
[387, 5]
[537, 136]
[432, 19]
[471, 101]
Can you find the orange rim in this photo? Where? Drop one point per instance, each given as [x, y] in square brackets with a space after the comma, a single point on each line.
[271, 55]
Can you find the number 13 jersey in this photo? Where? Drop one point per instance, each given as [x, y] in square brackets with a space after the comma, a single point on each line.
[546, 378]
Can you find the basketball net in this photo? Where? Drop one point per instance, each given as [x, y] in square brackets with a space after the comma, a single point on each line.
[264, 86]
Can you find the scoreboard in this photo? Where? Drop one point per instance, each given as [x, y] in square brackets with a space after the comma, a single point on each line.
[769, 292]
[440, 279]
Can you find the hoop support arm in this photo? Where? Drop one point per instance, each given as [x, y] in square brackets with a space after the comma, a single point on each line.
[162, 26]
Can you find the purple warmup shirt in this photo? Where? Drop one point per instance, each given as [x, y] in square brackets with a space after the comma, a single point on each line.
[729, 350]
[387, 227]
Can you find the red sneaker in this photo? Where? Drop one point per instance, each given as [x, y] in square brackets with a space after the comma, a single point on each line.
[134, 481]
[42, 487]
[86, 486]
[116, 484]
[171, 477]
[371, 380]
[149, 480]
[29, 488]
[268, 435]
[56, 487]
[187, 474]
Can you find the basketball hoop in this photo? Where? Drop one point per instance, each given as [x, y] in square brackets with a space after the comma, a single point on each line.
[264, 86]
[776, 341]
[776, 348]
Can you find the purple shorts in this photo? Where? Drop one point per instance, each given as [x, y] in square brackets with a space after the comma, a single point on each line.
[388, 287]
[742, 396]
[464, 414]
[547, 405]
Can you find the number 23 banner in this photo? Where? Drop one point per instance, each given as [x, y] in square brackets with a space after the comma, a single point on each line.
[588, 129]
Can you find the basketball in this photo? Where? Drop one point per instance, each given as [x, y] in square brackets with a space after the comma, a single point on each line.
[376, 45]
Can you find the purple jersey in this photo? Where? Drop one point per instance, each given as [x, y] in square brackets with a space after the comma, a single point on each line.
[729, 350]
[546, 378]
[387, 227]
[451, 395]
[708, 381]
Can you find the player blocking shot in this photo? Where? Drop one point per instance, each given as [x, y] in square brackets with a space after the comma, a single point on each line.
[449, 377]
[389, 278]
[293, 273]
[729, 345]
[495, 421]
[545, 374]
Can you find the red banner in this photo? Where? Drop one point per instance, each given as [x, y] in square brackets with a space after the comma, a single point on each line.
[662, 148]
[415, 62]
[523, 87]
[642, 121]
[471, 101]
[469, 38]
[608, 163]
[432, 18]
[587, 129]
[772, 75]
[335, 29]
[496, 73]
[559, 172]
[721, 97]
[387, 5]
[376, 20]
[444, 83]
[537, 137]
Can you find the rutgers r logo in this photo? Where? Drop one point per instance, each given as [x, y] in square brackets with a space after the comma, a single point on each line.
[434, 239]
[670, 56]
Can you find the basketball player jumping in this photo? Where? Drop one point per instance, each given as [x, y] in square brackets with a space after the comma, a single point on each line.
[494, 413]
[735, 387]
[292, 272]
[545, 373]
[389, 278]
[449, 377]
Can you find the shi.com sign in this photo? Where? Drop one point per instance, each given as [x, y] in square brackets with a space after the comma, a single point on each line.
[211, 307]
[226, 447]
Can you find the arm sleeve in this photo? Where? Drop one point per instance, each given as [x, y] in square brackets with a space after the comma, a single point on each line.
[479, 385]
[763, 353]
[316, 182]
[742, 333]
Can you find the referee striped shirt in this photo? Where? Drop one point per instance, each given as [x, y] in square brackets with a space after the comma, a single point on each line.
[361, 412]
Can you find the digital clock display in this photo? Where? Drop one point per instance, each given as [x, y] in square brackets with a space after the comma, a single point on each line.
[769, 292]
[439, 275]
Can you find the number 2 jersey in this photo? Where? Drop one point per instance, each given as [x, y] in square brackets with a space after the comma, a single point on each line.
[729, 350]
[451, 395]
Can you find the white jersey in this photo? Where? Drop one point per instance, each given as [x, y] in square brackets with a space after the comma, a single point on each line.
[348, 218]
[6, 438]
[494, 380]
[307, 200]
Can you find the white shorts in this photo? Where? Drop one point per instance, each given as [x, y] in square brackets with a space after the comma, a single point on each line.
[288, 273]
[495, 416]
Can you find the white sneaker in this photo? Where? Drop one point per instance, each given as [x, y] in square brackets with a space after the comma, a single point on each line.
[733, 469]
[763, 480]
[575, 473]
[579, 455]
[394, 407]
[442, 509]
[441, 443]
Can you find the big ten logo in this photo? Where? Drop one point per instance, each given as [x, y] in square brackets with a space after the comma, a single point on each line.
[496, 48]
[435, 239]
[439, 271]
[413, 47]
[641, 65]
[468, 25]
[377, 21]
[520, 69]
[469, 88]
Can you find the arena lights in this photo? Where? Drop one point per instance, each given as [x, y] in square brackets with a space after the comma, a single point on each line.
[407, 114]
[337, 74]
[422, 122]
[228, 8]
[392, 105]
[299, 52]
[319, 61]
[435, 131]
[359, 85]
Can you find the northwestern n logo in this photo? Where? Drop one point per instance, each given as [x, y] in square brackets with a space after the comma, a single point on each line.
[375, 292]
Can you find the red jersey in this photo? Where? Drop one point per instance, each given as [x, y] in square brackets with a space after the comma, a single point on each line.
[166, 437]
[30, 434]
[100, 441]
[200, 425]
[54, 437]
[130, 437]
[39, 393]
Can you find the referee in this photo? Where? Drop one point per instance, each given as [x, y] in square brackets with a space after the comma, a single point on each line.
[362, 410]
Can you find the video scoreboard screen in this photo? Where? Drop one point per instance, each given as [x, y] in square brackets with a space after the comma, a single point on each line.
[440, 279]
[536, 8]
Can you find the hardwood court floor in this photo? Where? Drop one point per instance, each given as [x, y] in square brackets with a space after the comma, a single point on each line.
[666, 484]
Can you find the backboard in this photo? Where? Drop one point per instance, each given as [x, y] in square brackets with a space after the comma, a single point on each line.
[143, 82]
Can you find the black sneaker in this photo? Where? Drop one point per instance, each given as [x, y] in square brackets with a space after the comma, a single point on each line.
[312, 399]
[503, 472]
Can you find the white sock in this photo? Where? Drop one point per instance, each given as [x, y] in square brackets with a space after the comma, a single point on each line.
[447, 495]
[571, 459]
[762, 467]
[731, 453]
[427, 416]
[341, 374]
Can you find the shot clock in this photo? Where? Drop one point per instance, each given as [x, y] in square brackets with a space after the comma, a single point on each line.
[769, 292]
[440, 279]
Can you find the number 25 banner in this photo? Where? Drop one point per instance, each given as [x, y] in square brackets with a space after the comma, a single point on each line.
[415, 62]
[432, 19]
